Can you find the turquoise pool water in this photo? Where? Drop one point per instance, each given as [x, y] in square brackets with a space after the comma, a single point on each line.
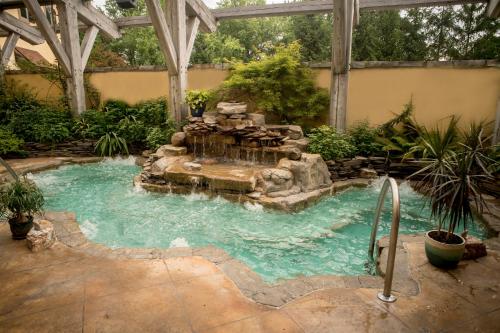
[329, 238]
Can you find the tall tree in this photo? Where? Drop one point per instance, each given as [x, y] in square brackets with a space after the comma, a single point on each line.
[314, 33]
[139, 46]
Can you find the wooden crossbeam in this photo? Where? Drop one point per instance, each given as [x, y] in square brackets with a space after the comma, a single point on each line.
[208, 23]
[24, 30]
[163, 33]
[87, 44]
[49, 34]
[191, 31]
[91, 16]
[8, 49]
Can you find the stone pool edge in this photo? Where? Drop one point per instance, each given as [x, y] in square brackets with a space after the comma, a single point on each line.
[248, 282]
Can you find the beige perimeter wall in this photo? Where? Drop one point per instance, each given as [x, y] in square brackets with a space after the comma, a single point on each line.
[374, 93]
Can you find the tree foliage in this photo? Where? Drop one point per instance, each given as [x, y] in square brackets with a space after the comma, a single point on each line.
[278, 85]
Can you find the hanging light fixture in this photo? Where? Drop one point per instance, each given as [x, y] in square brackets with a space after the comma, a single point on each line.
[126, 4]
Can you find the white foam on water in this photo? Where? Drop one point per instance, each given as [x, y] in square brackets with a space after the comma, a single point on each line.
[43, 179]
[193, 196]
[139, 189]
[89, 229]
[254, 207]
[119, 160]
[179, 242]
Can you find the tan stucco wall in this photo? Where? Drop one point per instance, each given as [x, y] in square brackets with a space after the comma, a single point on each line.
[134, 86]
[374, 93]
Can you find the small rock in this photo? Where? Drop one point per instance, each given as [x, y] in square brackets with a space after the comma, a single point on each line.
[295, 132]
[254, 195]
[257, 119]
[231, 108]
[179, 139]
[41, 236]
[170, 150]
[238, 116]
[294, 154]
[146, 153]
[191, 166]
[368, 173]
[474, 248]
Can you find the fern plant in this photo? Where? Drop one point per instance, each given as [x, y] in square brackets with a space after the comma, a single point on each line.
[110, 144]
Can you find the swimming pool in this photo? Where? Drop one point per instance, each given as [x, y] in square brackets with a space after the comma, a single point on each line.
[330, 237]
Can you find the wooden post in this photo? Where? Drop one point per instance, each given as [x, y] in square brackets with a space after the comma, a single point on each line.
[175, 15]
[6, 53]
[343, 11]
[68, 23]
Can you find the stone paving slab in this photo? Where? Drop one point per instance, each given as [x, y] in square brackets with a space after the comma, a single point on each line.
[66, 289]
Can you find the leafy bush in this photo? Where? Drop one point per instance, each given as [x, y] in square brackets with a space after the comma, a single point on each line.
[92, 124]
[364, 139]
[279, 85]
[46, 124]
[331, 145]
[158, 136]
[398, 135]
[110, 144]
[153, 112]
[9, 143]
[133, 131]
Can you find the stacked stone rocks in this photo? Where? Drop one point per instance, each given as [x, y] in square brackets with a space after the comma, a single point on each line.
[358, 167]
[71, 148]
[233, 133]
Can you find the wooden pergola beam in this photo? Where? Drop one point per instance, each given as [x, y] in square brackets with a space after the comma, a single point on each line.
[87, 44]
[24, 30]
[49, 34]
[192, 26]
[163, 33]
[91, 16]
[208, 22]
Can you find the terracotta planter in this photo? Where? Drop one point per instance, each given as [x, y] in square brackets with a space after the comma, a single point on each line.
[441, 254]
[20, 230]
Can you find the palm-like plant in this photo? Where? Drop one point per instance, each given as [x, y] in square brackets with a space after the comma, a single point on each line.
[111, 144]
[459, 168]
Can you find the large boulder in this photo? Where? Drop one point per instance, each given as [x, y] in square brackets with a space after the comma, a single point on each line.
[41, 236]
[178, 139]
[276, 180]
[171, 150]
[309, 173]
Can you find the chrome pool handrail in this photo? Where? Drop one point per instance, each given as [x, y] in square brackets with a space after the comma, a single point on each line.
[386, 296]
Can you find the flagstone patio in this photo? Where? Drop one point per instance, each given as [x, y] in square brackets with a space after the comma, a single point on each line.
[65, 289]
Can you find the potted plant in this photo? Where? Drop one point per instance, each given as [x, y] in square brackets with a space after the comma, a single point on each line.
[197, 101]
[452, 182]
[19, 201]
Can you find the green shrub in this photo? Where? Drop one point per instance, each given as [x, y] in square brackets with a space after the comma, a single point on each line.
[110, 144]
[9, 143]
[158, 136]
[399, 134]
[92, 124]
[133, 131]
[364, 139]
[278, 84]
[46, 124]
[153, 112]
[331, 145]
[115, 110]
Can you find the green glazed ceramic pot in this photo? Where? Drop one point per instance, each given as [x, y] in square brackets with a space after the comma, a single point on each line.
[443, 255]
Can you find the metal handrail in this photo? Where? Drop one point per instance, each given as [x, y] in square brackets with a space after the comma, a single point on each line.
[386, 296]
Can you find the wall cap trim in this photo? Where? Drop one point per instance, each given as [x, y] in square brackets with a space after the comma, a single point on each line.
[354, 65]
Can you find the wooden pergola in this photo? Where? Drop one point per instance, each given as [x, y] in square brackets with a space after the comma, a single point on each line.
[176, 26]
